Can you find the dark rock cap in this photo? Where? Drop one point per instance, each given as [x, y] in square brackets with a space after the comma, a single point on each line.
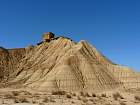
[49, 33]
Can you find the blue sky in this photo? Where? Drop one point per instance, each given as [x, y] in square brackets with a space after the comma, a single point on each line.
[111, 25]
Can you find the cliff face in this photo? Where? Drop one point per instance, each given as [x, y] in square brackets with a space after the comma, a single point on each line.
[9, 59]
[64, 65]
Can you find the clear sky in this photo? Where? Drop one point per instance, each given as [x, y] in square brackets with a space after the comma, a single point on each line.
[113, 26]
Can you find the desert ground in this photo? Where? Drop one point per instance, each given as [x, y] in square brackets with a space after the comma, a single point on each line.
[31, 97]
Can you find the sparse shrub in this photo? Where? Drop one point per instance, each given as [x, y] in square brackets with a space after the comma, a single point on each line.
[21, 100]
[68, 96]
[108, 104]
[15, 93]
[58, 92]
[138, 89]
[2, 101]
[117, 95]
[24, 100]
[46, 100]
[52, 100]
[103, 95]
[74, 94]
[87, 95]
[72, 102]
[9, 96]
[92, 100]
[137, 98]
[41, 104]
[27, 93]
[82, 93]
[93, 95]
[37, 94]
[85, 100]
[78, 97]
[122, 103]
[16, 101]
[99, 97]
[34, 102]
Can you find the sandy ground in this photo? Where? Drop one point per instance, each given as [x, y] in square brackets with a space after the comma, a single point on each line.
[28, 97]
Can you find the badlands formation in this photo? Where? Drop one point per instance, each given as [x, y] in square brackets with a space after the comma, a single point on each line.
[59, 71]
[62, 64]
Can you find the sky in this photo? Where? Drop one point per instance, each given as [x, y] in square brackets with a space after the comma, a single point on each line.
[113, 26]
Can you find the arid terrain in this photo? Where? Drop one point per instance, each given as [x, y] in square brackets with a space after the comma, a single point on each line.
[59, 71]
[32, 97]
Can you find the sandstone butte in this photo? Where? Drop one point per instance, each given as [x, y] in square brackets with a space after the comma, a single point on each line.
[62, 64]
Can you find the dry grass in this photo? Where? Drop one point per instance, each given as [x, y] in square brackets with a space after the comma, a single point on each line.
[74, 94]
[34, 101]
[41, 104]
[103, 95]
[68, 96]
[27, 93]
[49, 99]
[137, 98]
[85, 100]
[93, 95]
[122, 103]
[138, 89]
[15, 93]
[117, 95]
[92, 100]
[36, 94]
[46, 100]
[78, 97]
[87, 95]
[52, 100]
[108, 104]
[9, 96]
[72, 102]
[82, 93]
[58, 92]
[21, 100]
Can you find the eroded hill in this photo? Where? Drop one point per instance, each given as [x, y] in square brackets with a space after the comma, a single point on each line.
[62, 64]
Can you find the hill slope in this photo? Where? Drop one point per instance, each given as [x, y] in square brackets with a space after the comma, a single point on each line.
[9, 59]
[65, 65]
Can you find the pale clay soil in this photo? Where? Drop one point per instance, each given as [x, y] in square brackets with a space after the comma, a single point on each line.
[30, 97]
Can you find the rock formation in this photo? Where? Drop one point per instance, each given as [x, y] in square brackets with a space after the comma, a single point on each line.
[62, 64]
